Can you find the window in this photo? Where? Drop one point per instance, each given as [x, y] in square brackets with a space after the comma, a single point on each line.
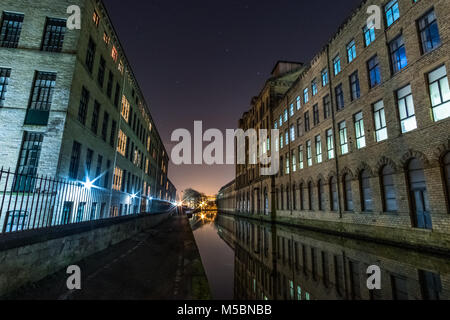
[406, 109]
[106, 38]
[348, 193]
[321, 194]
[112, 136]
[125, 109]
[351, 51]
[337, 65]
[299, 127]
[369, 35]
[117, 180]
[288, 168]
[339, 97]
[117, 95]
[122, 143]
[429, 32]
[96, 18]
[114, 54]
[109, 86]
[54, 35]
[280, 121]
[299, 103]
[84, 101]
[359, 130]
[310, 196]
[286, 136]
[98, 170]
[389, 193]
[398, 54]
[314, 87]
[326, 107]
[366, 192]
[392, 12]
[4, 81]
[275, 126]
[324, 77]
[285, 115]
[318, 149]
[291, 110]
[28, 163]
[75, 160]
[90, 55]
[330, 144]
[307, 125]
[419, 195]
[305, 96]
[343, 137]
[41, 98]
[334, 194]
[381, 133]
[447, 174]
[316, 117]
[309, 153]
[101, 72]
[301, 157]
[439, 93]
[292, 131]
[373, 66]
[105, 125]
[10, 29]
[354, 86]
[95, 117]
[399, 288]
[89, 158]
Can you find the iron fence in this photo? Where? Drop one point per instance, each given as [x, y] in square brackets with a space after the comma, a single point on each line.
[30, 202]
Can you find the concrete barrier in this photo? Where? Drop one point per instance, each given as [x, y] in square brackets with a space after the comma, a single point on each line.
[28, 257]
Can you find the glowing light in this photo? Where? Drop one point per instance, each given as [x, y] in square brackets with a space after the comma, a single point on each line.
[203, 217]
[88, 184]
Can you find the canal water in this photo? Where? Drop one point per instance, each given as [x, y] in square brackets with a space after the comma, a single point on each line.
[250, 260]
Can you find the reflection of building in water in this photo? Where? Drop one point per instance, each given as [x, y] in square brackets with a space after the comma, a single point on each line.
[281, 263]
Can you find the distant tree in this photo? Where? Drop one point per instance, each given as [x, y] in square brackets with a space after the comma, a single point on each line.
[193, 196]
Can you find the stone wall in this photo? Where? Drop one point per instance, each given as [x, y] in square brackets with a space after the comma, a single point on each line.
[31, 256]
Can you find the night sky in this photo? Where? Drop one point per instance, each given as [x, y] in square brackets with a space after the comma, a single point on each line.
[205, 59]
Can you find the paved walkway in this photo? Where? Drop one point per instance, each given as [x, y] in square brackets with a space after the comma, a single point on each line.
[162, 264]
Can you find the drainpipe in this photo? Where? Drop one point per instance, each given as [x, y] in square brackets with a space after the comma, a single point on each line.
[335, 133]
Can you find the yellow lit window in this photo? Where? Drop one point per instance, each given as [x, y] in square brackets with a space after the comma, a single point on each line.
[106, 38]
[114, 54]
[117, 182]
[149, 140]
[125, 109]
[96, 18]
[122, 143]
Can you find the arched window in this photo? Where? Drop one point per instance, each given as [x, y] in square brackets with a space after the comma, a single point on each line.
[348, 193]
[334, 199]
[294, 197]
[288, 202]
[389, 192]
[419, 195]
[321, 195]
[302, 197]
[366, 192]
[310, 196]
[447, 174]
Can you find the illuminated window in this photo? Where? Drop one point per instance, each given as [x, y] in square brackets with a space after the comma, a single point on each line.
[106, 38]
[125, 109]
[122, 143]
[120, 67]
[96, 18]
[114, 54]
[117, 181]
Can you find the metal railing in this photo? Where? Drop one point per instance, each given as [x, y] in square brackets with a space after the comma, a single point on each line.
[37, 202]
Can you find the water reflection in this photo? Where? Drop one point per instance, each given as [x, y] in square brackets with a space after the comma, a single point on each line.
[274, 262]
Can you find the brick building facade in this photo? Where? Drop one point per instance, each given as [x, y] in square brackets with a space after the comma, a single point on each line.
[71, 106]
[364, 133]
